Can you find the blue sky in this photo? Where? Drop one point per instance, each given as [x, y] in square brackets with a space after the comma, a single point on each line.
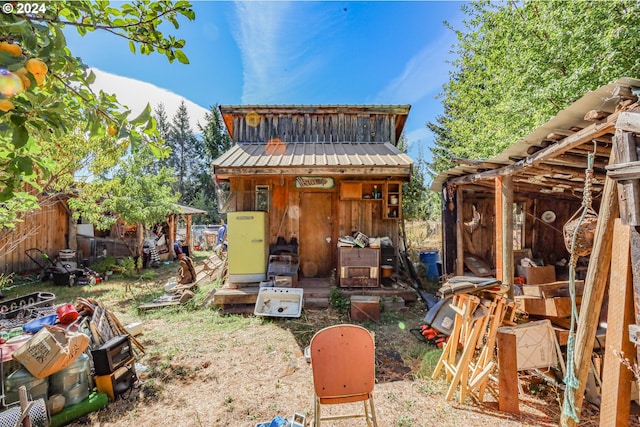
[301, 52]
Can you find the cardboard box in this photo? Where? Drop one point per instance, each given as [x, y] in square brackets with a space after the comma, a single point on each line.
[50, 350]
[536, 275]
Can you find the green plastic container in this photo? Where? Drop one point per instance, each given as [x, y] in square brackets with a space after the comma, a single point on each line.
[93, 403]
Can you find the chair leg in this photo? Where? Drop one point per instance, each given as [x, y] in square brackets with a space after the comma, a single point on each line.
[373, 412]
[316, 411]
[366, 412]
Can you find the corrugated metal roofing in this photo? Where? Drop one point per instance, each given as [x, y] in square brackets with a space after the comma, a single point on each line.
[280, 154]
[188, 210]
[601, 99]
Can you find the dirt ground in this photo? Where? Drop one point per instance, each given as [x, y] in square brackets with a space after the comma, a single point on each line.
[203, 369]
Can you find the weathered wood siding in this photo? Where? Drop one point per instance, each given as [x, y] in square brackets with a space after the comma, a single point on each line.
[348, 216]
[306, 127]
[546, 241]
[46, 229]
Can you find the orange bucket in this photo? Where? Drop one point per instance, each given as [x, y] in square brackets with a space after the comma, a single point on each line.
[67, 313]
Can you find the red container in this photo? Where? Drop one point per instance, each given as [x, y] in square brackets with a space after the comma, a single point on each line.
[67, 313]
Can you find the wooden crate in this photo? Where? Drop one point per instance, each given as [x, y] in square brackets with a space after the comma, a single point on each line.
[557, 307]
[359, 267]
[552, 290]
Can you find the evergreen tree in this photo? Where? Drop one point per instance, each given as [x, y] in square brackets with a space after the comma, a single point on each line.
[215, 141]
[184, 154]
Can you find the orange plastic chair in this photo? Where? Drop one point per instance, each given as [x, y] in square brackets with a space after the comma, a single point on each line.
[343, 366]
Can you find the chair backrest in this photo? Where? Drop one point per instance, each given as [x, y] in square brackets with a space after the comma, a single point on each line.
[343, 361]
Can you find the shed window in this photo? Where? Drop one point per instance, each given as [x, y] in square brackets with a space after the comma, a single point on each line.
[262, 198]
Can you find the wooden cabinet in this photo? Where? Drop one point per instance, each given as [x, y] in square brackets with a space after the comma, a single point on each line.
[350, 190]
[392, 200]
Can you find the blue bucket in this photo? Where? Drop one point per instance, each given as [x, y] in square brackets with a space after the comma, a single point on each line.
[430, 260]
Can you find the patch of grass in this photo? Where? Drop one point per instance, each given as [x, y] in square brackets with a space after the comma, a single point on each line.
[429, 362]
[339, 302]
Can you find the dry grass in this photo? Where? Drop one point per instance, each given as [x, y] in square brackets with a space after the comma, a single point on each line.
[205, 369]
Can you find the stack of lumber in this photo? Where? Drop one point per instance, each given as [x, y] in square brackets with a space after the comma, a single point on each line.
[211, 269]
[468, 356]
[550, 301]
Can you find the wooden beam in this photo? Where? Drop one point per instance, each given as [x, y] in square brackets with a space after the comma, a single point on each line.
[629, 121]
[624, 92]
[595, 284]
[508, 400]
[459, 233]
[580, 137]
[616, 378]
[596, 115]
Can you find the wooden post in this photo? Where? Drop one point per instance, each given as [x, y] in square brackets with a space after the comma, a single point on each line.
[504, 230]
[628, 189]
[171, 237]
[459, 233]
[24, 406]
[616, 384]
[499, 210]
[635, 274]
[595, 284]
[507, 233]
[508, 400]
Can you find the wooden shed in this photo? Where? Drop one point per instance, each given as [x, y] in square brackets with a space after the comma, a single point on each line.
[320, 171]
[45, 229]
[519, 202]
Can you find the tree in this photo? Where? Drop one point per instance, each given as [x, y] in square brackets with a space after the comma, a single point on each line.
[215, 138]
[128, 194]
[184, 158]
[45, 90]
[519, 63]
[215, 142]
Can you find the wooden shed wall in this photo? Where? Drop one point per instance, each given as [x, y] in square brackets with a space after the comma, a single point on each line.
[304, 127]
[546, 241]
[284, 218]
[46, 229]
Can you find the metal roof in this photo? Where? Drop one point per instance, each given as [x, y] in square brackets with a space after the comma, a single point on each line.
[294, 158]
[567, 122]
[188, 210]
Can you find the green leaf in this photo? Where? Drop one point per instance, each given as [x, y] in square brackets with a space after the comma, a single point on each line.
[132, 47]
[143, 116]
[20, 136]
[181, 56]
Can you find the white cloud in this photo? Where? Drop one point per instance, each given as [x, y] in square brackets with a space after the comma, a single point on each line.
[423, 75]
[274, 41]
[136, 94]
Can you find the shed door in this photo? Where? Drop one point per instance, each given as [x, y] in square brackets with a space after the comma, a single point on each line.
[315, 228]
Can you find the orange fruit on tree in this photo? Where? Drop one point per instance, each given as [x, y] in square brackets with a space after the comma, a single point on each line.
[22, 73]
[36, 66]
[13, 49]
[39, 78]
[6, 105]
[112, 130]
